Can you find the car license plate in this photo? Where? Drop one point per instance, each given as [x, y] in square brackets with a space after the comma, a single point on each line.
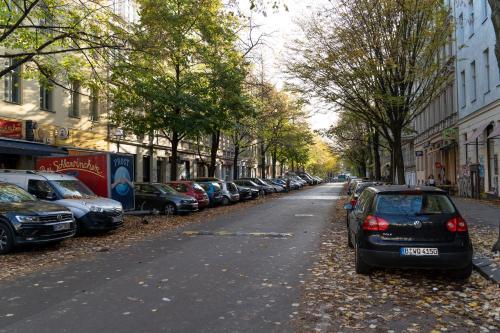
[62, 226]
[116, 219]
[418, 251]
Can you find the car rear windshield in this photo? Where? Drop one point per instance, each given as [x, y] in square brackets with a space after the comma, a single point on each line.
[414, 204]
[197, 187]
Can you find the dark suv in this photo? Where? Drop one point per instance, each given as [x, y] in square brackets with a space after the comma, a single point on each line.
[26, 220]
[417, 227]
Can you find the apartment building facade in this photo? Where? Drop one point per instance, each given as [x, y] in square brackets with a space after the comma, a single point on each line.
[478, 86]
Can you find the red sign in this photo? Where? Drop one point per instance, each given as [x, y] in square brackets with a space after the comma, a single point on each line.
[92, 170]
[11, 129]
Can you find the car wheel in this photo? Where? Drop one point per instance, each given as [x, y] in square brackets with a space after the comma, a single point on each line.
[169, 209]
[225, 201]
[360, 265]
[6, 239]
[462, 274]
[262, 193]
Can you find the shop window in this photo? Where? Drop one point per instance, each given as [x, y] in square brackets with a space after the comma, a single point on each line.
[12, 83]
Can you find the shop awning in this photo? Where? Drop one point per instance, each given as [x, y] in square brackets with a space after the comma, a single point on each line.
[496, 132]
[21, 147]
[477, 132]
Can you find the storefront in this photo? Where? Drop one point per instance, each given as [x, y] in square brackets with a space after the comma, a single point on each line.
[18, 153]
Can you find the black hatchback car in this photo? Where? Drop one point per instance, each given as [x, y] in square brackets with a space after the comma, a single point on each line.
[417, 227]
[27, 220]
[149, 196]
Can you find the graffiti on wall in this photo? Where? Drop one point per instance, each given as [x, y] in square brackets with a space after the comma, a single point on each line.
[464, 182]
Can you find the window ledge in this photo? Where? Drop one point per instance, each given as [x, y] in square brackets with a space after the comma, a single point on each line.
[487, 92]
[485, 19]
[471, 35]
[74, 117]
[47, 110]
[13, 103]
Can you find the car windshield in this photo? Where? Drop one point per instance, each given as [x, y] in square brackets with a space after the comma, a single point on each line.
[167, 189]
[197, 187]
[231, 187]
[12, 193]
[414, 204]
[72, 189]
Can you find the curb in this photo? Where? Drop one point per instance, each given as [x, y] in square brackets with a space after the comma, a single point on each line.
[487, 269]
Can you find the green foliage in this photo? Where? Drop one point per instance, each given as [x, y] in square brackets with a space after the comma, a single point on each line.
[59, 39]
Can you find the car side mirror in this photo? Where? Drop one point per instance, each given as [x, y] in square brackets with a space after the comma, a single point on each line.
[348, 206]
[50, 196]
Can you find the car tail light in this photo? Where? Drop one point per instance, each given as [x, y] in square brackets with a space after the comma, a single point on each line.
[456, 224]
[375, 223]
[353, 202]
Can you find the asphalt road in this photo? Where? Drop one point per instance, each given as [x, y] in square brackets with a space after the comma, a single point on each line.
[237, 273]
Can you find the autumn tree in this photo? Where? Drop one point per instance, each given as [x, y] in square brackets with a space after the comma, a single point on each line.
[57, 39]
[166, 84]
[378, 60]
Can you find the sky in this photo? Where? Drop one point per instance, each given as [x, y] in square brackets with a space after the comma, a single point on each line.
[281, 28]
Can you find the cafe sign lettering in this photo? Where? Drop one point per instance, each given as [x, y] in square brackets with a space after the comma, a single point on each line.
[11, 129]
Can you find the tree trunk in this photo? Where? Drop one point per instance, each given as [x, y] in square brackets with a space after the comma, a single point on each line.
[398, 166]
[262, 161]
[213, 153]
[173, 163]
[235, 161]
[376, 156]
[274, 163]
[495, 19]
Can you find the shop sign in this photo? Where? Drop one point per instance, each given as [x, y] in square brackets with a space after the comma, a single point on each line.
[11, 129]
[419, 153]
[90, 169]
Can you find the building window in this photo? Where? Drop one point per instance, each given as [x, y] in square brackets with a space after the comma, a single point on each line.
[473, 93]
[94, 105]
[471, 17]
[46, 96]
[74, 110]
[461, 33]
[12, 83]
[463, 99]
[486, 61]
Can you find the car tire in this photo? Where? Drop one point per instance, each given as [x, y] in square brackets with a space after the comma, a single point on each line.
[169, 209]
[462, 274]
[225, 201]
[360, 266]
[6, 239]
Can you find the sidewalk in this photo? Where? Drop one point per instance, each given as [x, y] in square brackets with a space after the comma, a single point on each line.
[483, 220]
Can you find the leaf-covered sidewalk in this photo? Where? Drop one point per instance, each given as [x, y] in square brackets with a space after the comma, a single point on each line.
[336, 299]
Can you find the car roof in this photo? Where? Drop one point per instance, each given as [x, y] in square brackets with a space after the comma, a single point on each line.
[405, 188]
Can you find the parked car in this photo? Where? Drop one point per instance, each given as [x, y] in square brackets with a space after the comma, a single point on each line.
[214, 192]
[230, 193]
[307, 177]
[278, 188]
[191, 189]
[408, 227]
[165, 199]
[266, 188]
[287, 186]
[26, 220]
[92, 213]
[247, 193]
[253, 185]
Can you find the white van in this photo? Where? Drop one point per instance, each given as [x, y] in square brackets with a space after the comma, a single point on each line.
[91, 212]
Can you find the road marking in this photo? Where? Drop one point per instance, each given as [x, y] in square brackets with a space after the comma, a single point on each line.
[228, 233]
[303, 215]
[311, 197]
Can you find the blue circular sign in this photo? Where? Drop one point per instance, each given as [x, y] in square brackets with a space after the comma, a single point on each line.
[123, 187]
